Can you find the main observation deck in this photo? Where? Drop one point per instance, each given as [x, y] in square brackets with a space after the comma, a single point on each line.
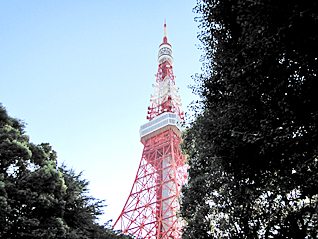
[160, 124]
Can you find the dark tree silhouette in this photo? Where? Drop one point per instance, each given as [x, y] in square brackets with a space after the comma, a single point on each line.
[252, 148]
[39, 199]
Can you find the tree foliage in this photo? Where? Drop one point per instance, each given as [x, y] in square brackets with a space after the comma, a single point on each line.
[39, 199]
[252, 148]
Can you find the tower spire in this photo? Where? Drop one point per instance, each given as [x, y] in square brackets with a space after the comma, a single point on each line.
[165, 98]
[165, 36]
[165, 50]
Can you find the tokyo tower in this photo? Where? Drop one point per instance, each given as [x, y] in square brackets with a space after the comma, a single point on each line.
[151, 210]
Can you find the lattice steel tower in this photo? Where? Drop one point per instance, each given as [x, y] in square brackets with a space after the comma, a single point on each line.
[152, 206]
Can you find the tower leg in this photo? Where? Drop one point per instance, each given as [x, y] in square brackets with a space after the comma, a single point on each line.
[152, 206]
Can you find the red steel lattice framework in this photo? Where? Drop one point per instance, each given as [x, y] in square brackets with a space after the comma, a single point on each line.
[152, 206]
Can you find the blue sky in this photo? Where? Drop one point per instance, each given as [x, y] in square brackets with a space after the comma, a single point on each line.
[80, 74]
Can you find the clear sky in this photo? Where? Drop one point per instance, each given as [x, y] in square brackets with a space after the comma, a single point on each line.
[80, 74]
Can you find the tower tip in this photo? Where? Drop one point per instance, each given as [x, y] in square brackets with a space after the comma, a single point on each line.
[165, 36]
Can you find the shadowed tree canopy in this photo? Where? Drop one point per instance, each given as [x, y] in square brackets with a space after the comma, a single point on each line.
[39, 199]
[252, 148]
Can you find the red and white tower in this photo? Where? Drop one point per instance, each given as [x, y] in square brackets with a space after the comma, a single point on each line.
[151, 210]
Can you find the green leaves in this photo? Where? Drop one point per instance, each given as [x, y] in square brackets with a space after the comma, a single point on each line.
[39, 199]
[254, 140]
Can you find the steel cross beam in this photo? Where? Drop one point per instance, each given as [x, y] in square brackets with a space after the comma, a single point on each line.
[151, 208]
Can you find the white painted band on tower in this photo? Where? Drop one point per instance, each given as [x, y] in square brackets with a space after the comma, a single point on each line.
[160, 121]
[165, 54]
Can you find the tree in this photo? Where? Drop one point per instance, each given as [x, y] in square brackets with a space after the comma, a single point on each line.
[81, 209]
[39, 199]
[252, 148]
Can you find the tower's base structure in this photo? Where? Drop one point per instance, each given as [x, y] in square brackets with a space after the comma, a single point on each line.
[151, 210]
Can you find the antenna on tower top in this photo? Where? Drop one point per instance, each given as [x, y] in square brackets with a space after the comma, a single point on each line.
[165, 36]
